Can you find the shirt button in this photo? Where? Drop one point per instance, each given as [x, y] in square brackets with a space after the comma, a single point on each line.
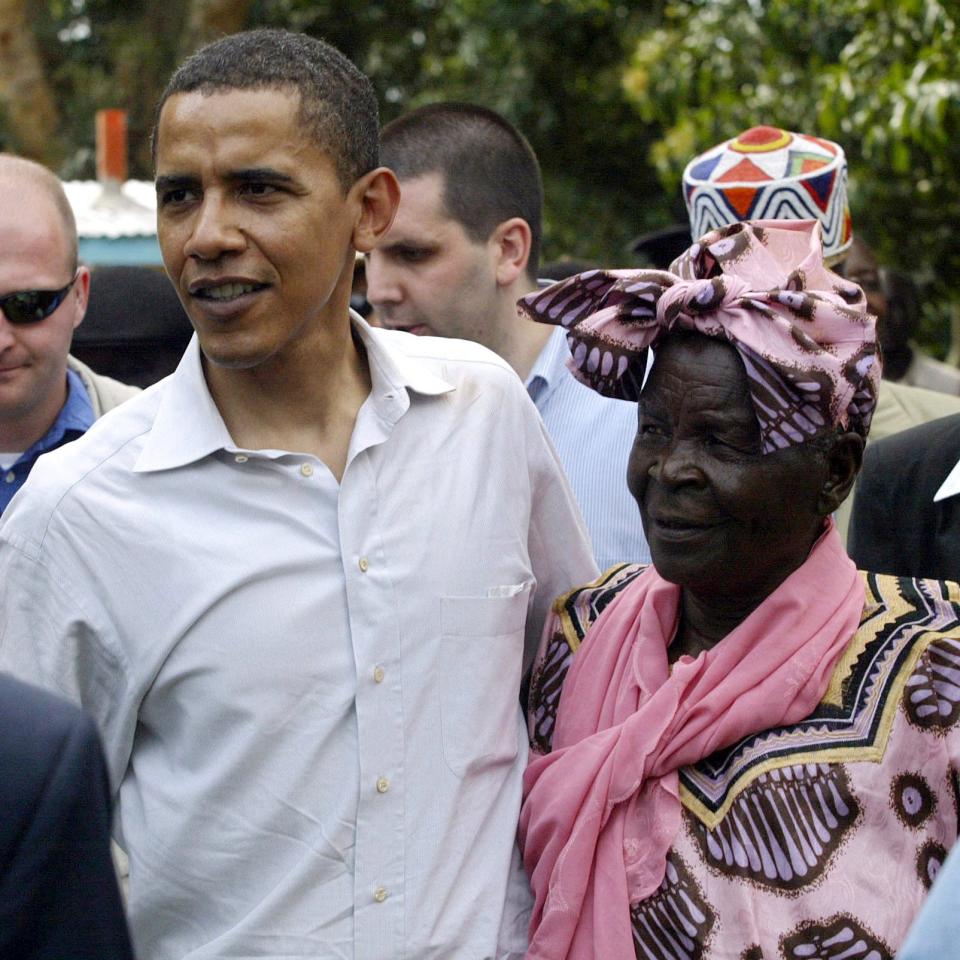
[378, 674]
[241, 458]
[379, 894]
[364, 564]
[306, 470]
[9, 478]
[383, 785]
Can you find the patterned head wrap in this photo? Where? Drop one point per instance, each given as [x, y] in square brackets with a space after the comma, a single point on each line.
[771, 174]
[803, 332]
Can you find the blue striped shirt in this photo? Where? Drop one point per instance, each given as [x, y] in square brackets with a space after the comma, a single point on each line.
[593, 436]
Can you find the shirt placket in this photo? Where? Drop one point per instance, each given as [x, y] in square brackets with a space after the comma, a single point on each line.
[379, 850]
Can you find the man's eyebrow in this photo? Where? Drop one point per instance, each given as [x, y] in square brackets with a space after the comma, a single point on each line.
[260, 173]
[179, 181]
[410, 243]
[175, 181]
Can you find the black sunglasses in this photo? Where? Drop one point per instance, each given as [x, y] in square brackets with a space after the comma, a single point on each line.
[32, 306]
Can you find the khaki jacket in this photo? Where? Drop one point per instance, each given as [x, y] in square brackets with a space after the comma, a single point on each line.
[104, 393]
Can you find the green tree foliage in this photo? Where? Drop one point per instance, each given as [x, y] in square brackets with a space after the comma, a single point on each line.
[882, 78]
[100, 53]
[614, 95]
[553, 67]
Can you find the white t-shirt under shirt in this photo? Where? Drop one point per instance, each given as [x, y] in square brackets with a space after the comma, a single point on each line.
[307, 691]
[7, 460]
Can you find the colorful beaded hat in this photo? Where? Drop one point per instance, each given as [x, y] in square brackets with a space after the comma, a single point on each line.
[771, 174]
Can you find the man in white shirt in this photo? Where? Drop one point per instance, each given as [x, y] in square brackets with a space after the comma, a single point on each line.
[464, 247]
[297, 582]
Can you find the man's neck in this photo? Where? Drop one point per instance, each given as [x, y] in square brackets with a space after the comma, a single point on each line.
[305, 401]
[520, 340]
[22, 430]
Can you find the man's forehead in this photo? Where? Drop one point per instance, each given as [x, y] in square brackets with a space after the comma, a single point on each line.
[207, 97]
[422, 205]
[234, 129]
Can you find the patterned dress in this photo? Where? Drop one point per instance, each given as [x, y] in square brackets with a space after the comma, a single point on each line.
[816, 841]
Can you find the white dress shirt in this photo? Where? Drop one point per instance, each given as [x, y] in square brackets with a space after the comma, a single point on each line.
[593, 436]
[307, 691]
[950, 486]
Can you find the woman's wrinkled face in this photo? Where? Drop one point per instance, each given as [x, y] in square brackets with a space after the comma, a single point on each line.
[720, 517]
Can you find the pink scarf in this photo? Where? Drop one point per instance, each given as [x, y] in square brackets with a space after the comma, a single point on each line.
[602, 810]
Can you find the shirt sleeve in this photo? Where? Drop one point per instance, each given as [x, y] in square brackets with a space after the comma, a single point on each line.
[559, 545]
[54, 633]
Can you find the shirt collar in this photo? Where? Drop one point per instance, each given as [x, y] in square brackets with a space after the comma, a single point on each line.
[188, 426]
[549, 366]
[76, 415]
[951, 486]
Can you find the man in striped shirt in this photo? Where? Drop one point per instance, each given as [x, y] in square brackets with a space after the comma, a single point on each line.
[463, 248]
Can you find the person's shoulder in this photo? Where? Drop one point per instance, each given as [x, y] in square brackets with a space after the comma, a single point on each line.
[111, 445]
[577, 609]
[935, 438]
[894, 602]
[900, 407]
[934, 374]
[448, 356]
[570, 618]
[916, 624]
[104, 392]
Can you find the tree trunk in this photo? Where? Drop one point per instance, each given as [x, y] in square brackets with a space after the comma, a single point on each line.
[27, 98]
[209, 20]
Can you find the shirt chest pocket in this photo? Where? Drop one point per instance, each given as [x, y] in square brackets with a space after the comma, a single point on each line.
[480, 663]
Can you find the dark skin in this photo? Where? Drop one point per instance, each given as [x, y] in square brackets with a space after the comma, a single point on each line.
[725, 522]
[861, 267]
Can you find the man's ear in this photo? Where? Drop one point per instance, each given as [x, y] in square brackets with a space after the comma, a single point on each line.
[510, 243]
[843, 460]
[378, 195]
[81, 289]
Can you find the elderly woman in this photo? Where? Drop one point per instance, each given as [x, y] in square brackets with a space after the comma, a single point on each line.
[747, 749]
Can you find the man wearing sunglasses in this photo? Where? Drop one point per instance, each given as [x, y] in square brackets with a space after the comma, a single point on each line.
[46, 397]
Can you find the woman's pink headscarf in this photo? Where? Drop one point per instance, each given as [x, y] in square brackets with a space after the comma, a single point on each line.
[802, 331]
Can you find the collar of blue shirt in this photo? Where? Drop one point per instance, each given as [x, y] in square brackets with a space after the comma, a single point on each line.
[75, 418]
[550, 366]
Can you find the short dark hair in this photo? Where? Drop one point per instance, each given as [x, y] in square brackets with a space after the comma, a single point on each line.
[490, 172]
[338, 106]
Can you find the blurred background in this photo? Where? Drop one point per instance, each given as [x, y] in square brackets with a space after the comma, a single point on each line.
[615, 97]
